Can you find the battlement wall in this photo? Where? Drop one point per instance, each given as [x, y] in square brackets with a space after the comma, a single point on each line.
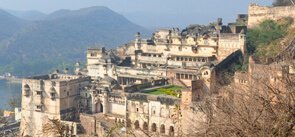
[257, 13]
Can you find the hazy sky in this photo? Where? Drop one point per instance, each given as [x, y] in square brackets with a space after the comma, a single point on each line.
[148, 13]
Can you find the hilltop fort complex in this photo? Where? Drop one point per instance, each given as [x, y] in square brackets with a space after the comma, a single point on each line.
[145, 87]
[257, 13]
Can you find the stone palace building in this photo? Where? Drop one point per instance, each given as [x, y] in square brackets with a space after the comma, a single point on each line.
[115, 89]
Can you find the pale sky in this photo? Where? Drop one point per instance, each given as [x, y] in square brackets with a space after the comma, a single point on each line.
[148, 13]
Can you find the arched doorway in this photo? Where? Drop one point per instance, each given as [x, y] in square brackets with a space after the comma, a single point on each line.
[154, 127]
[171, 131]
[136, 124]
[162, 129]
[101, 107]
[88, 102]
[98, 107]
[145, 126]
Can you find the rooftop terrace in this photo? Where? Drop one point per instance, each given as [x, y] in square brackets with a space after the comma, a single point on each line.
[56, 77]
[171, 90]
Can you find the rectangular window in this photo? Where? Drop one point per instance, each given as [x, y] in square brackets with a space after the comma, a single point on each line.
[186, 76]
[177, 76]
[39, 93]
[182, 76]
[154, 110]
[92, 54]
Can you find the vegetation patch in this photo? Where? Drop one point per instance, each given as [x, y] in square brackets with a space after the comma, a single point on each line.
[172, 90]
[269, 38]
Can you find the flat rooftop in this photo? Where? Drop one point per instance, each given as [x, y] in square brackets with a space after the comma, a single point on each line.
[57, 77]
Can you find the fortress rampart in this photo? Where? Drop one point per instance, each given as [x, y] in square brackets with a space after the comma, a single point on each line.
[259, 13]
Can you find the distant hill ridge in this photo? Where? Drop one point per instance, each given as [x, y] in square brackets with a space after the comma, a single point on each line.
[60, 38]
[9, 24]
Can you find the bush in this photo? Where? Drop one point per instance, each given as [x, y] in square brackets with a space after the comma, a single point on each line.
[263, 41]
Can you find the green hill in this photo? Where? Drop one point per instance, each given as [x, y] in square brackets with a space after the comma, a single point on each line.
[9, 24]
[63, 37]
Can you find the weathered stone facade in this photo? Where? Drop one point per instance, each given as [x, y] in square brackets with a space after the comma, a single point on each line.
[49, 97]
[112, 92]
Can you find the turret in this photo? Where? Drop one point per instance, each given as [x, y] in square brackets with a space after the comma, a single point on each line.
[137, 41]
[219, 25]
[242, 41]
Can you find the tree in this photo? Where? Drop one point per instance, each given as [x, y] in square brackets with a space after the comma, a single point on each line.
[259, 109]
[266, 40]
[57, 128]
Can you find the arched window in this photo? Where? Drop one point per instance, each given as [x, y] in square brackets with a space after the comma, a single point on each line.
[154, 127]
[27, 90]
[171, 131]
[136, 124]
[145, 126]
[162, 129]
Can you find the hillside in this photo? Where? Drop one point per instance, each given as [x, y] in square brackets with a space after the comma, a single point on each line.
[270, 38]
[27, 15]
[63, 36]
[9, 24]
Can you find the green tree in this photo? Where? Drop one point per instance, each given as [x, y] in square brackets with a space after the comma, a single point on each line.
[264, 40]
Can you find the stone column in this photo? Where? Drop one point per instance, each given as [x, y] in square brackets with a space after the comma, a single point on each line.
[105, 102]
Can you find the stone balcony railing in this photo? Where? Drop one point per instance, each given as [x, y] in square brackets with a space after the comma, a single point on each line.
[174, 63]
[182, 63]
[152, 59]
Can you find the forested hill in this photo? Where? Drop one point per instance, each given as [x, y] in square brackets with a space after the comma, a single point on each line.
[9, 24]
[62, 37]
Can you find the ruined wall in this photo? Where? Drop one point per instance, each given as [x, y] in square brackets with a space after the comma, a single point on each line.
[259, 13]
[88, 123]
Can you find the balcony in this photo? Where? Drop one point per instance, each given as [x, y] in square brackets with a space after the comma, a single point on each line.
[159, 60]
